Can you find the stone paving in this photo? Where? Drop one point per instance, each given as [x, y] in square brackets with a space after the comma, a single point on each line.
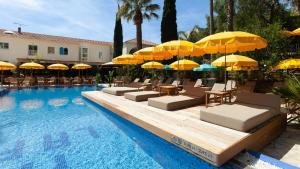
[287, 147]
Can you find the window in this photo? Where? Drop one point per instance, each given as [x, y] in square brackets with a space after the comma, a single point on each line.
[100, 55]
[83, 54]
[63, 51]
[4, 45]
[32, 50]
[51, 50]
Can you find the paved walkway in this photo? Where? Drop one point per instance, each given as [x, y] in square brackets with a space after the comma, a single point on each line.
[286, 147]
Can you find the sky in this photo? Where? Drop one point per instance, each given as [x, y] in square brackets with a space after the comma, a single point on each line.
[92, 19]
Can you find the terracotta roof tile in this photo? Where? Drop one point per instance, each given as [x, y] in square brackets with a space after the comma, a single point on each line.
[58, 39]
[144, 42]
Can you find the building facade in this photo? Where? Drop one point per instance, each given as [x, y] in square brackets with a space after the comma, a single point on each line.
[19, 47]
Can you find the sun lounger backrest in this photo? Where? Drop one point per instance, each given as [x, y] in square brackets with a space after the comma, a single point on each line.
[198, 83]
[218, 87]
[268, 100]
[136, 80]
[147, 81]
[231, 84]
[176, 83]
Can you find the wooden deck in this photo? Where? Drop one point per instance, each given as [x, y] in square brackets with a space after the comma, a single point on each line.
[212, 143]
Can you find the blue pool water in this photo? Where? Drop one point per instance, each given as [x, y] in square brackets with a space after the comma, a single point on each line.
[56, 128]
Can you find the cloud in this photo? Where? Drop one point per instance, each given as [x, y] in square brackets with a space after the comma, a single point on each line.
[90, 19]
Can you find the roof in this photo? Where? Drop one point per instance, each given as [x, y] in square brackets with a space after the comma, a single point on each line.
[57, 39]
[144, 42]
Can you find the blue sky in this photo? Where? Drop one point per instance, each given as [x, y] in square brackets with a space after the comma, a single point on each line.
[91, 19]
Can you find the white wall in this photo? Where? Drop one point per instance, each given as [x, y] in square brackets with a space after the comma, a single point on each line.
[18, 48]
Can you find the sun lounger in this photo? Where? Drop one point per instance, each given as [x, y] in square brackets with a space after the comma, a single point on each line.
[198, 83]
[249, 111]
[51, 81]
[119, 91]
[190, 97]
[41, 81]
[141, 96]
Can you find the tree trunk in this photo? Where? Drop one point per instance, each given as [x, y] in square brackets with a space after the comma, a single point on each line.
[211, 19]
[139, 37]
[230, 12]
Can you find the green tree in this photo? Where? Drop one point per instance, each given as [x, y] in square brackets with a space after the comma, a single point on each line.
[118, 36]
[168, 23]
[194, 35]
[137, 11]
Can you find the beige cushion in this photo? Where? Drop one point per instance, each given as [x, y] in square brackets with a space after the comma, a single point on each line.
[241, 117]
[141, 96]
[119, 91]
[268, 100]
[174, 102]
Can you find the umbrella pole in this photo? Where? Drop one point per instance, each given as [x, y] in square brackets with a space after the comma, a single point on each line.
[225, 69]
[1, 77]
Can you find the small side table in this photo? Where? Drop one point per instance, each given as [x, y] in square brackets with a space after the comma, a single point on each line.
[221, 94]
[169, 89]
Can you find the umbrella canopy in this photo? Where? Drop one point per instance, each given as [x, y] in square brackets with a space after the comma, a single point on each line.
[152, 65]
[81, 66]
[126, 59]
[184, 65]
[7, 66]
[288, 64]
[235, 60]
[205, 67]
[230, 42]
[180, 48]
[31, 65]
[58, 66]
[241, 68]
[296, 32]
[150, 53]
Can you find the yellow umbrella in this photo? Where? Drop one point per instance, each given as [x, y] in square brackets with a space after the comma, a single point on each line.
[288, 64]
[152, 65]
[235, 60]
[6, 66]
[126, 59]
[184, 65]
[81, 66]
[241, 68]
[31, 65]
[230, 42]
[296, 32]
[150, 53]
[180, 48]
[58, 66]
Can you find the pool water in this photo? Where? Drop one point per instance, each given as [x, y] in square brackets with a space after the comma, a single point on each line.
[56, 128]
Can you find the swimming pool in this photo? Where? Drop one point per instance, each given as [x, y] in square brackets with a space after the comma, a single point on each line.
[57, 128]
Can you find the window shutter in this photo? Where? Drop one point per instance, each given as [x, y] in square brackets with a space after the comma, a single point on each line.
[61, 51]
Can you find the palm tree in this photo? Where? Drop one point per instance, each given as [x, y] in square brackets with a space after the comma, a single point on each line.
[230, 12]
[211, 19]
[137, 11]
[291, 94]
